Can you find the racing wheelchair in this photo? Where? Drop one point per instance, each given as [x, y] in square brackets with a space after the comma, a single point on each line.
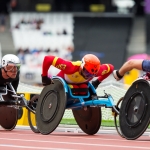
[11, 105]
[57, 97]
[134, 113]
[133, 109]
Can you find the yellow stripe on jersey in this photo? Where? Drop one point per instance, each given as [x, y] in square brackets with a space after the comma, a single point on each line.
[106, 71]
[54, 61]
[108, 68]
[76, 63]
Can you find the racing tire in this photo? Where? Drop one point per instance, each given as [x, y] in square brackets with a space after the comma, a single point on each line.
[51, 107]
[31, 115]
[134, 115]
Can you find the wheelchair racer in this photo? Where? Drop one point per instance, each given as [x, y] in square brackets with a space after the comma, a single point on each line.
[9, 72]
[77, 73]
[138, 64]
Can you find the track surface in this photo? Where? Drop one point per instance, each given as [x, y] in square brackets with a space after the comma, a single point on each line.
[22, 138]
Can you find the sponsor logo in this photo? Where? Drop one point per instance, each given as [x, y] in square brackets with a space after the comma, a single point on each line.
[104, 72]
[61, 66]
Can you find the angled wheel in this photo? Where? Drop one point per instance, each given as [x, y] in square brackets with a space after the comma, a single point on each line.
[8, 115]
[135, 110]
[88, 119]
[50, 107]
[31, 116]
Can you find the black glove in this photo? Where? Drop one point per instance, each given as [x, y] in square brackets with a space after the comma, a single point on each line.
[96, 83]
[46, 80]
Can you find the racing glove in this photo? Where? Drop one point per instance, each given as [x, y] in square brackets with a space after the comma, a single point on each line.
[46, 80]
[96, 83]
[146, 76]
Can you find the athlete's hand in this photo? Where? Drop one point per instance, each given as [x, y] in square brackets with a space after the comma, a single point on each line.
[96, 83]
[46, 80]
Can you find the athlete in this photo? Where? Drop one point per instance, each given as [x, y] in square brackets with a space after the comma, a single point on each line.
[77, 73]
[139, 64]
[9, 72]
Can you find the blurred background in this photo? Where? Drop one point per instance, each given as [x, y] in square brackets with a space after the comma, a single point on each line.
[113, 30]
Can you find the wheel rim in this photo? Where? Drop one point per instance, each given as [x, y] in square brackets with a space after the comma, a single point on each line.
[135, 106]
[50, 105]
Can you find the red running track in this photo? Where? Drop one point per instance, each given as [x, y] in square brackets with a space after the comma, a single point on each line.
[21, 139]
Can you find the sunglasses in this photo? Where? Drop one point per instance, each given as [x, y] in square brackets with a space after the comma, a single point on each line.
[86, 74]
[12, 67]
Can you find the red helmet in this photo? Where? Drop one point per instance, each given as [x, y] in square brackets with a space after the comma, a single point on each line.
[91, 64]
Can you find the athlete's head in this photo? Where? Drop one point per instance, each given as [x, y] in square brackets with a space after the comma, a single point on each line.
[90, 66]
[11, 65]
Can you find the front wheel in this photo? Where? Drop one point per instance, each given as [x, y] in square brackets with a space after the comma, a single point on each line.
[116, 117]
[31, 116]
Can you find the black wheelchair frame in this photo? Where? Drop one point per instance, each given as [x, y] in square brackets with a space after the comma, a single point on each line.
[10, 104]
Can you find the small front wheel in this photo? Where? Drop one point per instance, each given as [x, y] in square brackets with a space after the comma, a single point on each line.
[31, 116]
[116, 117]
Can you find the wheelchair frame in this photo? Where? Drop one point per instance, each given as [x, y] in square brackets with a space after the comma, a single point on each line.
[106, 100]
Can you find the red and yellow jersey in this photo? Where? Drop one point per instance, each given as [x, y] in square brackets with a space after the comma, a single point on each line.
[69, 70]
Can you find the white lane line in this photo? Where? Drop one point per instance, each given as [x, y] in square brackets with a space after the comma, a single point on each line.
[75, 143]
[31, 147]
[85, 137]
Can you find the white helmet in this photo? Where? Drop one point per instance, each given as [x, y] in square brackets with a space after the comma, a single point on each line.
[10, 58]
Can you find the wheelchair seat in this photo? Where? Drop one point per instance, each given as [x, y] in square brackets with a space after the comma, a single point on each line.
[79, 91]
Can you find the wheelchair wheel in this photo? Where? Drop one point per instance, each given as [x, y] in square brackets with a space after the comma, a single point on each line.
[50, 107]
[8, 117]
[135, 110]
[31, 116]
[116, 117]
[88, 119]
[20, 113]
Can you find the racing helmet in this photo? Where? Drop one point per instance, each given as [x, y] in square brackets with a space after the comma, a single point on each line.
[11, 59]
[90, 64]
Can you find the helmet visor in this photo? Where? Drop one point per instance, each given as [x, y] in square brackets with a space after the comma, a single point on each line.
[12, 67]
[86, 74]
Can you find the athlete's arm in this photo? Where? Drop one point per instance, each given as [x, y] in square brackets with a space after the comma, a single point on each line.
[64, 65]
[105, 71]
